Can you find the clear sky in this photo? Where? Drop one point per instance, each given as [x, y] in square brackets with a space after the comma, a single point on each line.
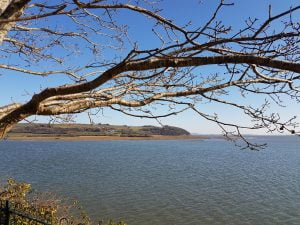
[18, 87]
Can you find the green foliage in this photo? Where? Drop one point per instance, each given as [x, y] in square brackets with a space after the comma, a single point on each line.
[17, 195]
[41, 206]
[45, 207]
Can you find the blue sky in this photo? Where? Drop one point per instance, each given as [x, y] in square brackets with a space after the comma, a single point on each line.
[18, 87]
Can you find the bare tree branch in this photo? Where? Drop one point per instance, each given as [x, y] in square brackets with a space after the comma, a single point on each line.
[261, 59]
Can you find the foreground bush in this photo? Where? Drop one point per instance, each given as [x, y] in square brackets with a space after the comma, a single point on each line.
[42, 206]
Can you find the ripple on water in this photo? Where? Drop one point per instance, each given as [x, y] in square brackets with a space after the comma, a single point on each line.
[166, 182]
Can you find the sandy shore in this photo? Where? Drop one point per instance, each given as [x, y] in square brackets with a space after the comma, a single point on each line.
[104, 138]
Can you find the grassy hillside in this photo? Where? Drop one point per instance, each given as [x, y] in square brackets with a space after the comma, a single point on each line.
[73, 130]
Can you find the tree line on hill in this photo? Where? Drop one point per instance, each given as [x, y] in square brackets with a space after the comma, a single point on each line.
[94, 130]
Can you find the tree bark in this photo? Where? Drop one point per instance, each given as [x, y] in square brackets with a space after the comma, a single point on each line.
[10, 9]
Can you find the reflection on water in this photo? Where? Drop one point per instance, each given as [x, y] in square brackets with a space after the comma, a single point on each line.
[166, 182]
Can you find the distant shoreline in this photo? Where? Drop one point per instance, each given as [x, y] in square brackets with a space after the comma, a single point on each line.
[105, 138]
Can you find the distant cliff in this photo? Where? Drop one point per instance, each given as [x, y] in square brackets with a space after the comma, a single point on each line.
[30, 130]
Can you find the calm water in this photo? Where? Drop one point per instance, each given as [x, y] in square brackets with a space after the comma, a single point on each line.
[166, 182]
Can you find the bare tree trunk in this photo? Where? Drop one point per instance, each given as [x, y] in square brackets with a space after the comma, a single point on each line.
[4, 27]
[10, 9]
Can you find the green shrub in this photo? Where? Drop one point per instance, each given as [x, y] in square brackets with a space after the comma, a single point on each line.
[42, 206]
[45, 207]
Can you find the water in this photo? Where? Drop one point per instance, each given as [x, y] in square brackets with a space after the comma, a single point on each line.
[166, 182]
